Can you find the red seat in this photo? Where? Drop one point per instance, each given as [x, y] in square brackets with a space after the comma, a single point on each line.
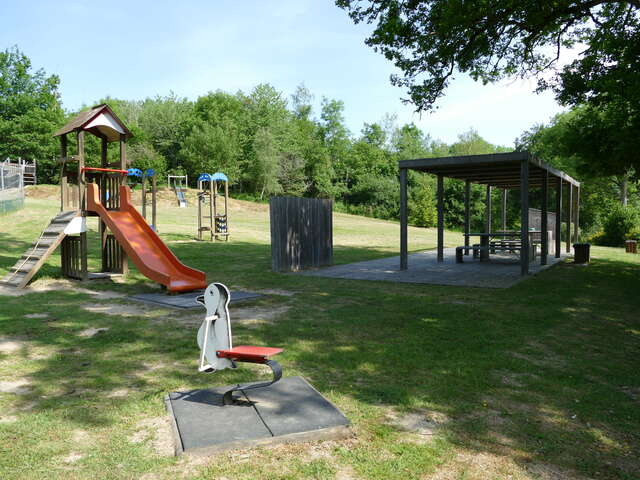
[245, 353]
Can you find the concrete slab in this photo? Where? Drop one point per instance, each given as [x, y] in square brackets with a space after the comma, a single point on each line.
[187, 300]
[502, 271]
[290, 410]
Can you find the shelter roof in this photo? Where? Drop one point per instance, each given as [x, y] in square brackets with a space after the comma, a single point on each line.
[100, 121]
[495, 169]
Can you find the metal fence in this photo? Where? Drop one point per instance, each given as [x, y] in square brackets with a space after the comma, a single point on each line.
[11, 188]
[301, 233]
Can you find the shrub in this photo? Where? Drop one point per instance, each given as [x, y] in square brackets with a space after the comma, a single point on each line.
[620, 222]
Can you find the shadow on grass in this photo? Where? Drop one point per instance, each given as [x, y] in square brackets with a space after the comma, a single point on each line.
[540, 372]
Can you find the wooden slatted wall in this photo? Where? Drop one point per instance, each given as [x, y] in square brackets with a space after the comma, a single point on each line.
[301, 233]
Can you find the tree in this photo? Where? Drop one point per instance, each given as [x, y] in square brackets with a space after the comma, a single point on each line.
[30, 112]
[430, 41]
[265, 169]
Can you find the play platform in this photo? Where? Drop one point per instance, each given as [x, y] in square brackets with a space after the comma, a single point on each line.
[285, 412]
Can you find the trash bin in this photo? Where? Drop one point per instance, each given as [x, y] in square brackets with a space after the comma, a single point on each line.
[581, 252]
[631, 246]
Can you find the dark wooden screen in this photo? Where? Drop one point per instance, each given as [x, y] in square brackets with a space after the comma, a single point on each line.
[71, 257]
[301, 233]
[112, 254]
[535, 220]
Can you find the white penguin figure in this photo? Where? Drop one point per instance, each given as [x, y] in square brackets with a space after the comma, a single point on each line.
[215, 332]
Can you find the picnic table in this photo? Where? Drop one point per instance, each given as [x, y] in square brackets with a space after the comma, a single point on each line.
[485, 238]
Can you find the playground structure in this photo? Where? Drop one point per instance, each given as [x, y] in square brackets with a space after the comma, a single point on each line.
[179, 183]
[101, 191]
[148, 176]
[216, 344]
[213, 200]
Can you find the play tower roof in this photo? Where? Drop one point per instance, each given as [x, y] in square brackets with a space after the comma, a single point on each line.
[100, 121]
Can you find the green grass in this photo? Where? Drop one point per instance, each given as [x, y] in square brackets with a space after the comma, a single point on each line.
[529, 382]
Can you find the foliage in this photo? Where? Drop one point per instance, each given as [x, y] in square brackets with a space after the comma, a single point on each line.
[582, 143]
[30, 112]
[619, 224]
[430, 41]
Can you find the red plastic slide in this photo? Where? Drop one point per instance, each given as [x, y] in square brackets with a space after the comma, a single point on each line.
[149, 254]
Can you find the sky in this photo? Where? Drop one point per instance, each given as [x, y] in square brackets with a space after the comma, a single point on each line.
[138, 49]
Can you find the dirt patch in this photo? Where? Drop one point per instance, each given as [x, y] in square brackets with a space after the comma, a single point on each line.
[8, 419]
[80, 437]
[423, 423]
[73, 457]
[275, 291]
[18, 387]
[92, 332]
[56, 284]
[346, 473]
[11, 344]
[545, 471]
[512, 379]
[117, 309]
[251, 317]
[120, 393]
[256, 316]
[36, 315]
[157, 431]
[631, 392]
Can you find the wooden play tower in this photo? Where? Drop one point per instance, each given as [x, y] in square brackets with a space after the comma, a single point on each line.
[103, 123]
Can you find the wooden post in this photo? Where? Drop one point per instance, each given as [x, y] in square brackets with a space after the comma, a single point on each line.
[558, 216]
[403, 220]
[124, 263]
[576, 222]
[440, 193]
[144, 195]
[467, 213]
[64, 187]
[84, 269]
[153, 203]
[487, 219]
[569, 216]
[200, 200]
[226, 212]
[524, 217]
[213, 188]
[102, 228]
[504, 209]
[544, 237]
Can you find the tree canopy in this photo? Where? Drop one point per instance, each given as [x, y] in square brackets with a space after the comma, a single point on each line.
[29, 108]
[430, 41]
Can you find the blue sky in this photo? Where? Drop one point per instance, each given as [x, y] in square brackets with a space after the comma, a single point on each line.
[140, 49]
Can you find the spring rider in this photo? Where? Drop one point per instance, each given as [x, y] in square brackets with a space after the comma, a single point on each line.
[216, 347]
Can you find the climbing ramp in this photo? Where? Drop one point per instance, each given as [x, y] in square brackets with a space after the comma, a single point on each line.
[37, 254]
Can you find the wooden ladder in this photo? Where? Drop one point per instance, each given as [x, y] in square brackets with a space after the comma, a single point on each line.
[37, 254]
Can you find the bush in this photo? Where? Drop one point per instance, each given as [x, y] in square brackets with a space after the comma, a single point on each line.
[620, 222]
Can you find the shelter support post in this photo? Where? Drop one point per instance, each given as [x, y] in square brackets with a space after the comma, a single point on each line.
[524, 215]
[576, 220]
[544, 227]
[504, 209]
[467, 214]
[440, 193]
[403, 220]
[569, 216]
[487, 220]
[558, 245]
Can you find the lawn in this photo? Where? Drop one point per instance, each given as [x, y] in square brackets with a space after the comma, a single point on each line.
[538, 381]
